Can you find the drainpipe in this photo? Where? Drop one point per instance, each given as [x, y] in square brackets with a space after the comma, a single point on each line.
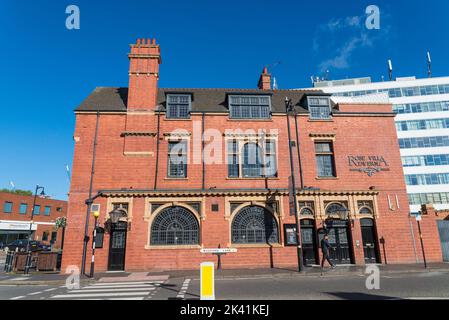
[156, 170]
[202, 153]
[301, 178]
[90, 200]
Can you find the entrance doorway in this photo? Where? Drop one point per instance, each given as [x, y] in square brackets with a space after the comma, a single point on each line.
[369, 241]
[117, 246]
[339, 238]
[308, 241]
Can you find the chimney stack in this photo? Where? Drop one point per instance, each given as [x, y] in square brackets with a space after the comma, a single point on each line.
[265, 80]
[144, 61]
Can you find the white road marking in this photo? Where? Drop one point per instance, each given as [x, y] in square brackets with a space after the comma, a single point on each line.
[17, 298]
[125, 283]
[87, 295]
[34, 293]
[111, 290]
[119, 287]
[51, 289]
[184, 288]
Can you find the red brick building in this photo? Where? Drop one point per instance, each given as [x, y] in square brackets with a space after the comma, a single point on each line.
[15, 217]
[141, 149]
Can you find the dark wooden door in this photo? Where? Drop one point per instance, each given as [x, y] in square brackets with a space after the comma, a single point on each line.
[369, 241]
[339, 239]
[308, 242]
[117, 247]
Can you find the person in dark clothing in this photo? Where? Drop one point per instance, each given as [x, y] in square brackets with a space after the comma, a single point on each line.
[325, 247]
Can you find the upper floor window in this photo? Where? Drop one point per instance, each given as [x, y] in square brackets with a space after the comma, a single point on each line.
[47, 210]
[7, 207]
[178, 106]
[250, 107]
[324, 154]
[319, 108]
[23, 208]
[177, 159]
[251, 159]
[37, 209]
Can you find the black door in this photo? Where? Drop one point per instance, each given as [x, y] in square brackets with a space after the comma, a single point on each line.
[308, 242]
[369, 241]
[117, 247]
[339, 239]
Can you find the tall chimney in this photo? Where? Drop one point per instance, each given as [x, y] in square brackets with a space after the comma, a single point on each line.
[265, 80]
[144, 61]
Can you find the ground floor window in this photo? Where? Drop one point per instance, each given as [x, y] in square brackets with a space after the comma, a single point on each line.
[254, 225]
[175, 226]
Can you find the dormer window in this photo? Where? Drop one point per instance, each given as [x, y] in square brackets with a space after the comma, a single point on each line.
[319, 108]
[179, 106]
[249, 107]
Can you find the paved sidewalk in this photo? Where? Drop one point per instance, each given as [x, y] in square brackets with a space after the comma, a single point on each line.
[59, 279]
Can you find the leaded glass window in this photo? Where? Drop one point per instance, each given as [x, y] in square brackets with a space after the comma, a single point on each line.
[175, 226]
[177, 159]
[252, 165]
[178, 106]
[254, 225]
[324, 159]
[249, 107]
[319, 108]
[251, 159]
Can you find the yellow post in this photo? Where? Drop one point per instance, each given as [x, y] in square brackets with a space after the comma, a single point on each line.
[207, 281]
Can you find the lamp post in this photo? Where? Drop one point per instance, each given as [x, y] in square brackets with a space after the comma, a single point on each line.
[288, 108]
[28, 249]
[96, 214]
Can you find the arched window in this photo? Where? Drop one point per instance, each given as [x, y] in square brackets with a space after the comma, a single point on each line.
[306, 211]
[365, 210]
[175, 226]
[337, 209]
[252, 160]
[254, 225]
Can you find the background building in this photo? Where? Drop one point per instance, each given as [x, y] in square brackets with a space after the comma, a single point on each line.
[422, 123]
[15, 215]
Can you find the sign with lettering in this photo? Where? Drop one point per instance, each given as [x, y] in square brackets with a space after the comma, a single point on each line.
[219, 250]
[368, 164]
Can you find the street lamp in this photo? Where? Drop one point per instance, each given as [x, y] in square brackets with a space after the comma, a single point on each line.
[288, 109]
[96, 213]
[28, 249]
[115, 215]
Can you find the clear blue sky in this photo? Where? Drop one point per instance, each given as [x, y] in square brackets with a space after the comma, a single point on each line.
[47, 70]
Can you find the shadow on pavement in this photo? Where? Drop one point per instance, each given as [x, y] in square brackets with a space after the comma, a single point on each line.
[360, 296]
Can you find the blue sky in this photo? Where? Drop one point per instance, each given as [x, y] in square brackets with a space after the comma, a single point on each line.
[46, 70]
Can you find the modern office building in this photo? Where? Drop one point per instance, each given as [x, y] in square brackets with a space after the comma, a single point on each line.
[174, 171]
[16, 223]
[422, 123]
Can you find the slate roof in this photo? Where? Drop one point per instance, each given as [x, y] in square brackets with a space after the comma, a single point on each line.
[203, 100]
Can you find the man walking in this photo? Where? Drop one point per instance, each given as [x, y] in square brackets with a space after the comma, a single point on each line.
[325, 247]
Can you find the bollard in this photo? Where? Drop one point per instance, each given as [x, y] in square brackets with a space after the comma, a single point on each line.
[207, 281]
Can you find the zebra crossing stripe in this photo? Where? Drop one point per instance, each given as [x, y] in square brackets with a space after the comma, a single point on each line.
[93, 295]
[118, 287]
[110, 290]
[125, 283]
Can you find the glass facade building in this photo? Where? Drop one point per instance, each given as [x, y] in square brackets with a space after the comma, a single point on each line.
[422, 122]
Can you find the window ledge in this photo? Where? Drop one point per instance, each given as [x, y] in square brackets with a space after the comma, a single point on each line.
[178, 119]
[251, 120]
[172, 247]
[170, 178]
[320, 120]
[256, 245]
[327, 178]
[243, 178]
